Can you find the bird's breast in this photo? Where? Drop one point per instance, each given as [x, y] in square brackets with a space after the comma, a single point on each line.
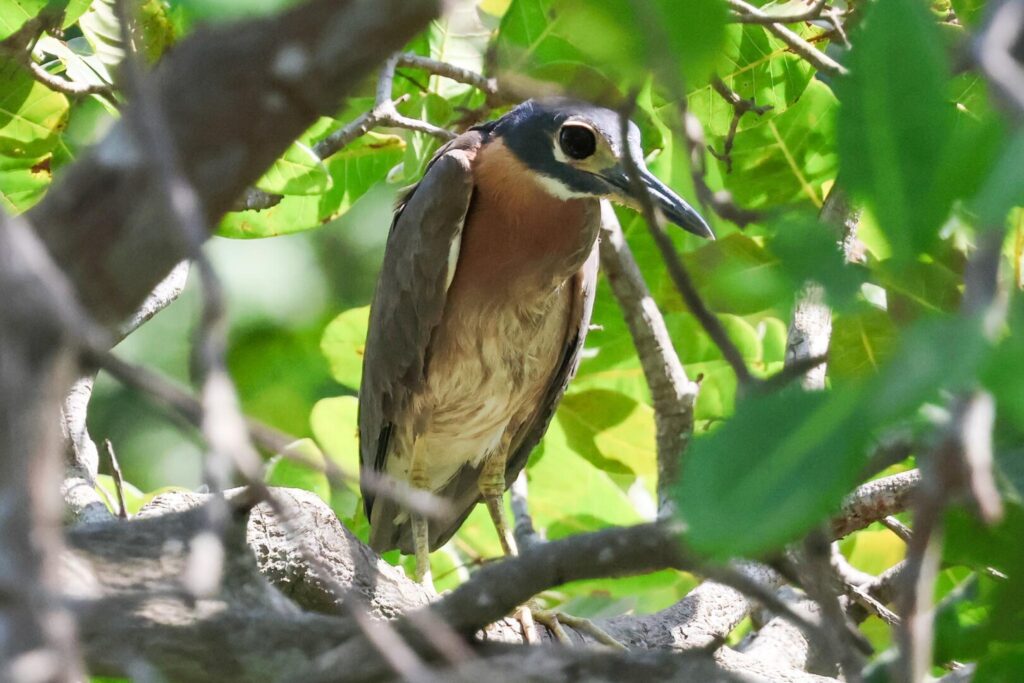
[488, 373]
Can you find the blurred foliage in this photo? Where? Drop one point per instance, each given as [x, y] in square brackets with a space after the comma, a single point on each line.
[926, 153]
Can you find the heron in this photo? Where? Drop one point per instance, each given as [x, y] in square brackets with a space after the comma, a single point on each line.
[482, 308]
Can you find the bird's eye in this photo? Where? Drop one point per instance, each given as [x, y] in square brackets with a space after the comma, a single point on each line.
[578, 142]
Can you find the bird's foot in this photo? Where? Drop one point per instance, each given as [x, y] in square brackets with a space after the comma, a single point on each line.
[554, 619]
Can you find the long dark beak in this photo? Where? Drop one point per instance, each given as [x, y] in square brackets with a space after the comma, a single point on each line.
[675, 208]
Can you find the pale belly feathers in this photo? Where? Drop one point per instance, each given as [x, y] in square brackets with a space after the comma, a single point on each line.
[488, 373]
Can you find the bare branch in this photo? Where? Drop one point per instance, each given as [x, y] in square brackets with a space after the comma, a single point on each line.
[816, 58]
[814, 11]
[740, 107]
[673, 394]
[874, 501]
[488, 86]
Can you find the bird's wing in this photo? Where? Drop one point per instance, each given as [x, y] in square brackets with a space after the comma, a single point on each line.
[463, 490]
[419, 262]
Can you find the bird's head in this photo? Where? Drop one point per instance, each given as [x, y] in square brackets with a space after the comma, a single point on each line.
[577, 150]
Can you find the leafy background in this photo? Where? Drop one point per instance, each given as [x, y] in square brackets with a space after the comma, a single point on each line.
[923, 150]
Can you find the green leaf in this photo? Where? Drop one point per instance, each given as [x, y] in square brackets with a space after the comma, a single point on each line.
[539, 33]
[589, 499]
[794, 454]
[283, 471]
[344, 343]
[969, 12]
[134, 499]
[31, 115]
[336, 427]
[299, 171]
[612, 431]
[757, 66]
[14, 13]
[895, 123]
[790, 156]
[335, 424]
[23, 182]
[807, 250]
[863, 339]
[1004, 187]
[102, 29]
[353, 171]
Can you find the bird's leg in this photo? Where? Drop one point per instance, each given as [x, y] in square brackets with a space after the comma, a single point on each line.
[492, 489]
[420, 531]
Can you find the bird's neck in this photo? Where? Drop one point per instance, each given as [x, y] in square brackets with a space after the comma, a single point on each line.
[520, 239]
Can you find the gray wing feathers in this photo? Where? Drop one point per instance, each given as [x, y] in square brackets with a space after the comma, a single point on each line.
[410, 298]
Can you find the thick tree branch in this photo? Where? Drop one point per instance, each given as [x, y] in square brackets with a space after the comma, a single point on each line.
[105, 221]
[250, 632]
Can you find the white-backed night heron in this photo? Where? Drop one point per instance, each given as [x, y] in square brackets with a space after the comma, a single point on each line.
[482, 306]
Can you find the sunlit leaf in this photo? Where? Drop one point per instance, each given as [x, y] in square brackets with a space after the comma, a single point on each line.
[31, 115]
[634, 41]
[343, 344]
[352, 172]
[612, 431]
[23, 182]
[789, 157]
[298, 172]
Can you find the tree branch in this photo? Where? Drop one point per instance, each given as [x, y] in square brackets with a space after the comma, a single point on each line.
[673, 394]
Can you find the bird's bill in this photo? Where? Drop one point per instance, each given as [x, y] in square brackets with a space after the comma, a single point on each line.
[674, 207]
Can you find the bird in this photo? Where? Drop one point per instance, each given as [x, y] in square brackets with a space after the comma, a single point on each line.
[482, 306]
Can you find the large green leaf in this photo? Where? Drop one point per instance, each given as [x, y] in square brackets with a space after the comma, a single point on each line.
[789, 157]
[784, 461]
[14, 13]
[31, 115]
[299, 171]
[613, 34]
[344, 343]
[102, 29]
[352, 171]
[757, 66]
[612, 431]
[895, 123]
[780, 463]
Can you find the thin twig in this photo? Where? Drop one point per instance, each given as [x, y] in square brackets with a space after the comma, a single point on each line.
[63, 85]
[488, 86]
[383, 115]
[806, 50]
[791, 371]
[740, 106]
[897, 527]
[812, 12]
[673, 395]
[115, 468]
